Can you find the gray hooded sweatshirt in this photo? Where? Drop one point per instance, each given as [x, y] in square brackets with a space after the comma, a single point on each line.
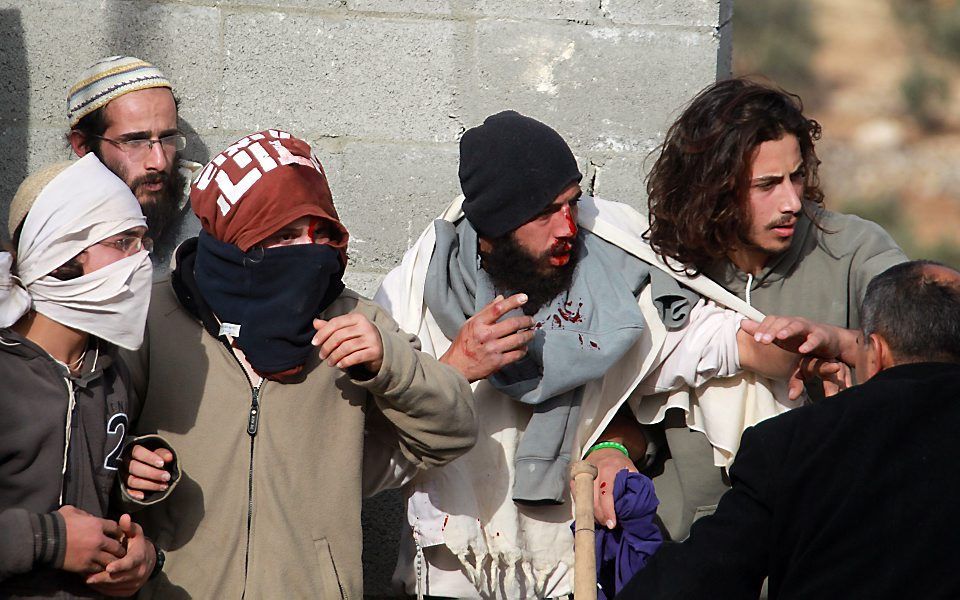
[823, 275]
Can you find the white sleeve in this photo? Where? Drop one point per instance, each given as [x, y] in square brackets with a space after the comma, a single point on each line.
[706, 348]
[384, 465]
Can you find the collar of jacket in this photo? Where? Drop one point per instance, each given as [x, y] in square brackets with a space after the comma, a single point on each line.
[13, 343]
[731, 277]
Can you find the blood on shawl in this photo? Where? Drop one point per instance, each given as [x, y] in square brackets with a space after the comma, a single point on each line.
[568, 315]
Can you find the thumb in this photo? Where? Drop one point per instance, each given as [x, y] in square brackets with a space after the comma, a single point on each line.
[318, 323]
[126, 526]
[164, 454]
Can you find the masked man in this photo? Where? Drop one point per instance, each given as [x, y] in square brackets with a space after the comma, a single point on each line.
[287, 395]
[77, 287]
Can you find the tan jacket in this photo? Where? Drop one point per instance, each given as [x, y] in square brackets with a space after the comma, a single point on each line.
[277, 515]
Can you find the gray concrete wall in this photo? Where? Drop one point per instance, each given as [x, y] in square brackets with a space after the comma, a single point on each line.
[383, 89]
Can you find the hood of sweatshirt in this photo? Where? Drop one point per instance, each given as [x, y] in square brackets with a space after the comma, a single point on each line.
[778, 267]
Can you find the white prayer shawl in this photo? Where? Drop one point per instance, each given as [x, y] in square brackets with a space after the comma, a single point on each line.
[511, 551]
[84, 204]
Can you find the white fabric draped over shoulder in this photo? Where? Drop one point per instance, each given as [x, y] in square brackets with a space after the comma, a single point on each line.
[721, 418]
[519, 551]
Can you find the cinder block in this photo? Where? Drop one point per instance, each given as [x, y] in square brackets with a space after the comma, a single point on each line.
[362, 77]
[422, 7]
[387, 194]
[684, 13]
[284, 4]
[539, 9]
[621, 178]
[364, 283]
[607, 90]
[24, 150]
[182, 40]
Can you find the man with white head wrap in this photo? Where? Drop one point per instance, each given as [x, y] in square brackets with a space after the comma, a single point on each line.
[78, 287]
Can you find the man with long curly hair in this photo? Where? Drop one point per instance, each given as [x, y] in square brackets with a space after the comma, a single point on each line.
[735, 195]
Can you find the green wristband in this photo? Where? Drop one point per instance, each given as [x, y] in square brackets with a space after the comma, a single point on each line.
[613, 445]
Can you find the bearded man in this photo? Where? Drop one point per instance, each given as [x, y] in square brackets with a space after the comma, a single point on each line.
[122, 109]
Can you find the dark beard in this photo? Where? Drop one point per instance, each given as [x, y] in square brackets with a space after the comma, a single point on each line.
[159, 209]
[513, 269]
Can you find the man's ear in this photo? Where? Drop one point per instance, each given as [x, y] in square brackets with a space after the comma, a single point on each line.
[885, 357]
[485, 245]
[878, 356]
[78, 142]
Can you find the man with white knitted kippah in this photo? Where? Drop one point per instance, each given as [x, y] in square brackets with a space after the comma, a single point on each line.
[122, 109]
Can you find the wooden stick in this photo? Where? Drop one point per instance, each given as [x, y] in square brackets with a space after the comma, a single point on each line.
[584, 549]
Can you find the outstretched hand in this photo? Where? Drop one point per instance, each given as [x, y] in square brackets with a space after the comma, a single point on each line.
[484, 344]
[828, 351]
[797, 335]
[835, 376]
[349, 340]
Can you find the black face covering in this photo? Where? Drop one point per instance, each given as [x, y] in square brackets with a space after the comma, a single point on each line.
[272, 294]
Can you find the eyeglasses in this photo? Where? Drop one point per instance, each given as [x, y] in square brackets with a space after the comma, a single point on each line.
[130, 244]
[139, 147]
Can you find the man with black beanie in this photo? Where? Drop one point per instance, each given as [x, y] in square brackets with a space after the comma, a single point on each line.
[562, 368]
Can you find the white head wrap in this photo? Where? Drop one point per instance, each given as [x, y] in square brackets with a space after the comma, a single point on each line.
[81, 206]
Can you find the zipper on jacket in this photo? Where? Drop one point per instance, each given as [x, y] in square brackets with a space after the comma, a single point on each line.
[253, 425]
[253, 421]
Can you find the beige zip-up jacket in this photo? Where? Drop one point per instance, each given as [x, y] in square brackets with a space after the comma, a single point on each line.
[269, 506]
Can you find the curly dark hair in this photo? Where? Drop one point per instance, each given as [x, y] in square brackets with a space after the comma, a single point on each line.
[699, 185]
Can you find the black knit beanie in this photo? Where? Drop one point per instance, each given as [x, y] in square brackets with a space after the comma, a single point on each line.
[511, 168]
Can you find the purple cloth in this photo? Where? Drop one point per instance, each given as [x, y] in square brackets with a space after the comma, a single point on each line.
[623, 551]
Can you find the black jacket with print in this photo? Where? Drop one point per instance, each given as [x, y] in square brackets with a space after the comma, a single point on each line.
[43, 411]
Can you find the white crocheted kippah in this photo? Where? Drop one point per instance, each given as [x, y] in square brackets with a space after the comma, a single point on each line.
[108, 79]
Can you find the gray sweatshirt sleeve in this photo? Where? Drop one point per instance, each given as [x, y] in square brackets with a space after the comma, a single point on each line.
[30, 540]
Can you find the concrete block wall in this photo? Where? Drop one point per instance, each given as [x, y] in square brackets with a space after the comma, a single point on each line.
[383, 89]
